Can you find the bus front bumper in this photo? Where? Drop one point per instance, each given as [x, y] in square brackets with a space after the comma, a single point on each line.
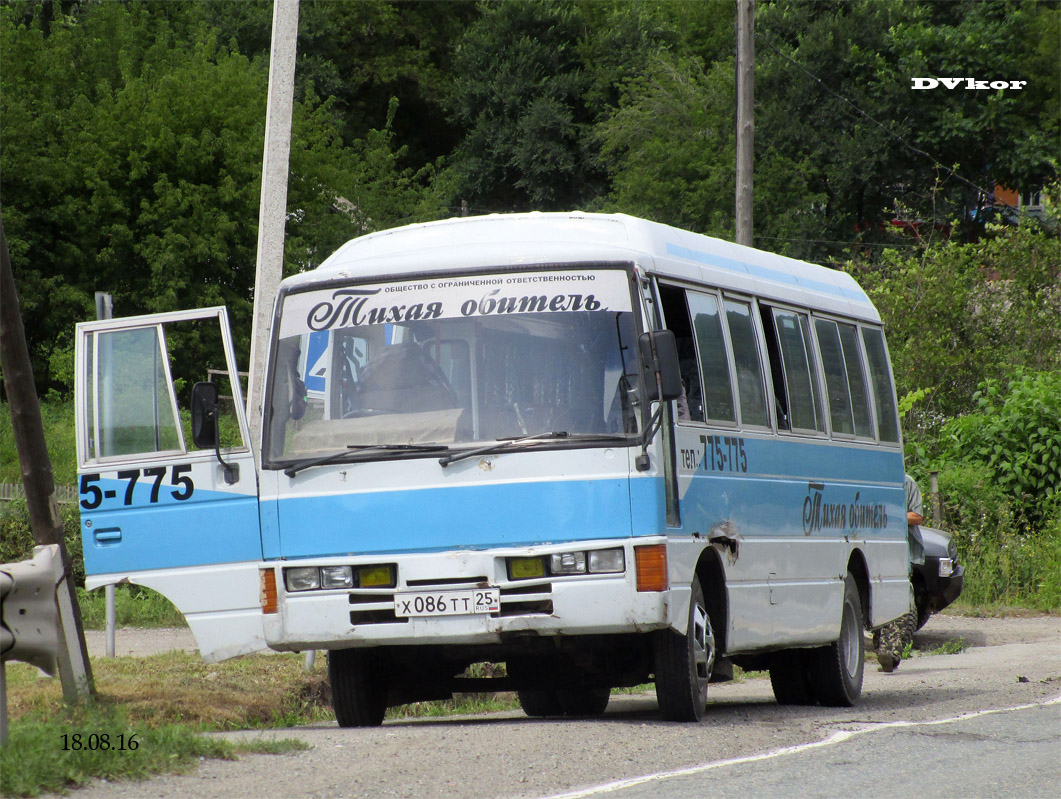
[407, 614]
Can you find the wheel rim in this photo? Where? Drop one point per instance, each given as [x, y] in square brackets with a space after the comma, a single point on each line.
[849, 635]
[703, 644]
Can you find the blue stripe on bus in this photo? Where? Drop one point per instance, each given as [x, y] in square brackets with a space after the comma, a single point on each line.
[794, 488]
[469, 517]
[777, 276]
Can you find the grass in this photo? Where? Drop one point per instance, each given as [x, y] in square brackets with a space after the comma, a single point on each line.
[162, 703]
[133, 607]
[57, 418]
[252, 692]
[955, 646]
[257, 691]
[100, 743]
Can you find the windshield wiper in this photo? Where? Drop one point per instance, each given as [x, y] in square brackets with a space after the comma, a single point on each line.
[508, 442]
[352, 449]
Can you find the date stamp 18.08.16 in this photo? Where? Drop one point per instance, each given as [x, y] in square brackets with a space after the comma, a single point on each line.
[99, 742]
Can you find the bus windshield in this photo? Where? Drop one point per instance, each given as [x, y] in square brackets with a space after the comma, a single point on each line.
[398, 368]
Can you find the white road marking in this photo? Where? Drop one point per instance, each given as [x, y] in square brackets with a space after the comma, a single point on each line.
[835, 738]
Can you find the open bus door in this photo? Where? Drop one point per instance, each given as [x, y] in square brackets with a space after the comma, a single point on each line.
[157, 510]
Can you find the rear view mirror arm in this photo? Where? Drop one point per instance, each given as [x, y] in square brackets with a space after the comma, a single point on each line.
[206, 429]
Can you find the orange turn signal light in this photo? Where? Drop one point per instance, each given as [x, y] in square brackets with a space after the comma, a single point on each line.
[268, 590]
[651, 564]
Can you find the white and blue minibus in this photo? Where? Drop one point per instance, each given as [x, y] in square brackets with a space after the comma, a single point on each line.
[595, 449]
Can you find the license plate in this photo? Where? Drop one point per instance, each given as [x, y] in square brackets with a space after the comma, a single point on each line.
[447, 603]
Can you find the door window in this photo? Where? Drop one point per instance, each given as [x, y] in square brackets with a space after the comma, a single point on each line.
[138, 393]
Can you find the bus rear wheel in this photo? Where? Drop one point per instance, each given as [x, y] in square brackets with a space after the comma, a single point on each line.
[359, 695]
[576, 700]
[539, 702]
[584, 700]
[684, 662]
[838, 668]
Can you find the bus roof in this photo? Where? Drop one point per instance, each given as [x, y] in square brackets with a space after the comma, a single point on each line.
[481, 242]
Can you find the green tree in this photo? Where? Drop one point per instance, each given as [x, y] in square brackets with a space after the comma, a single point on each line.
[518, 95]
[837, 108]
[360, 55]
[669, 145]
[959, 314]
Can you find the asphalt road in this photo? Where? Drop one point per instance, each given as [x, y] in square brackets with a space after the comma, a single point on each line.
[1010, 753]
[920, 731]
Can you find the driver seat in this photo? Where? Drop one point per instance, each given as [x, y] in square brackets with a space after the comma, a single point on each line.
[404, 379]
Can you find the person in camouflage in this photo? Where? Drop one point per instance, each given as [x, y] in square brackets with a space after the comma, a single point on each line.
[891, 640]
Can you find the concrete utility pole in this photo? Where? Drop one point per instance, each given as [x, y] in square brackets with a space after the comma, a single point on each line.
[75, 671]
[273, 214]
[745, 125]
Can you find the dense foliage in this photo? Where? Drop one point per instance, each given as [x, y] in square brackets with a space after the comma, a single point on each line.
[975, 341]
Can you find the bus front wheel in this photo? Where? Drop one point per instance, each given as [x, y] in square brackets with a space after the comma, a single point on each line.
[359, 696]
[684, 662]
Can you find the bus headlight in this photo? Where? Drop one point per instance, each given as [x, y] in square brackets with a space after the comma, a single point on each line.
[302, 579]
[606, 561]
[568, 563]
[337, 577]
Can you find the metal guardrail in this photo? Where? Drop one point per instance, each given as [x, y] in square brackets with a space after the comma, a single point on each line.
[64, 494]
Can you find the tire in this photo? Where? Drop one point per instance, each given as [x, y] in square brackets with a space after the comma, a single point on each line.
[684, 662]
[540, 702]
[837, 669]
[791, 679]
[584, 700]
[923, 613]
[359, 695]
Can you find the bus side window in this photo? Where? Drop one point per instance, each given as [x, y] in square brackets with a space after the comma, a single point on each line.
[856, 380]
[676, 318]
[883, 393]
[749, 366]
[714, 360]
[835, 370]
[797, 361]
[777, 373]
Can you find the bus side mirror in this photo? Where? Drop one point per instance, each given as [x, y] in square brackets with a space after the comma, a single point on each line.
[204, 415]
[659, 354]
